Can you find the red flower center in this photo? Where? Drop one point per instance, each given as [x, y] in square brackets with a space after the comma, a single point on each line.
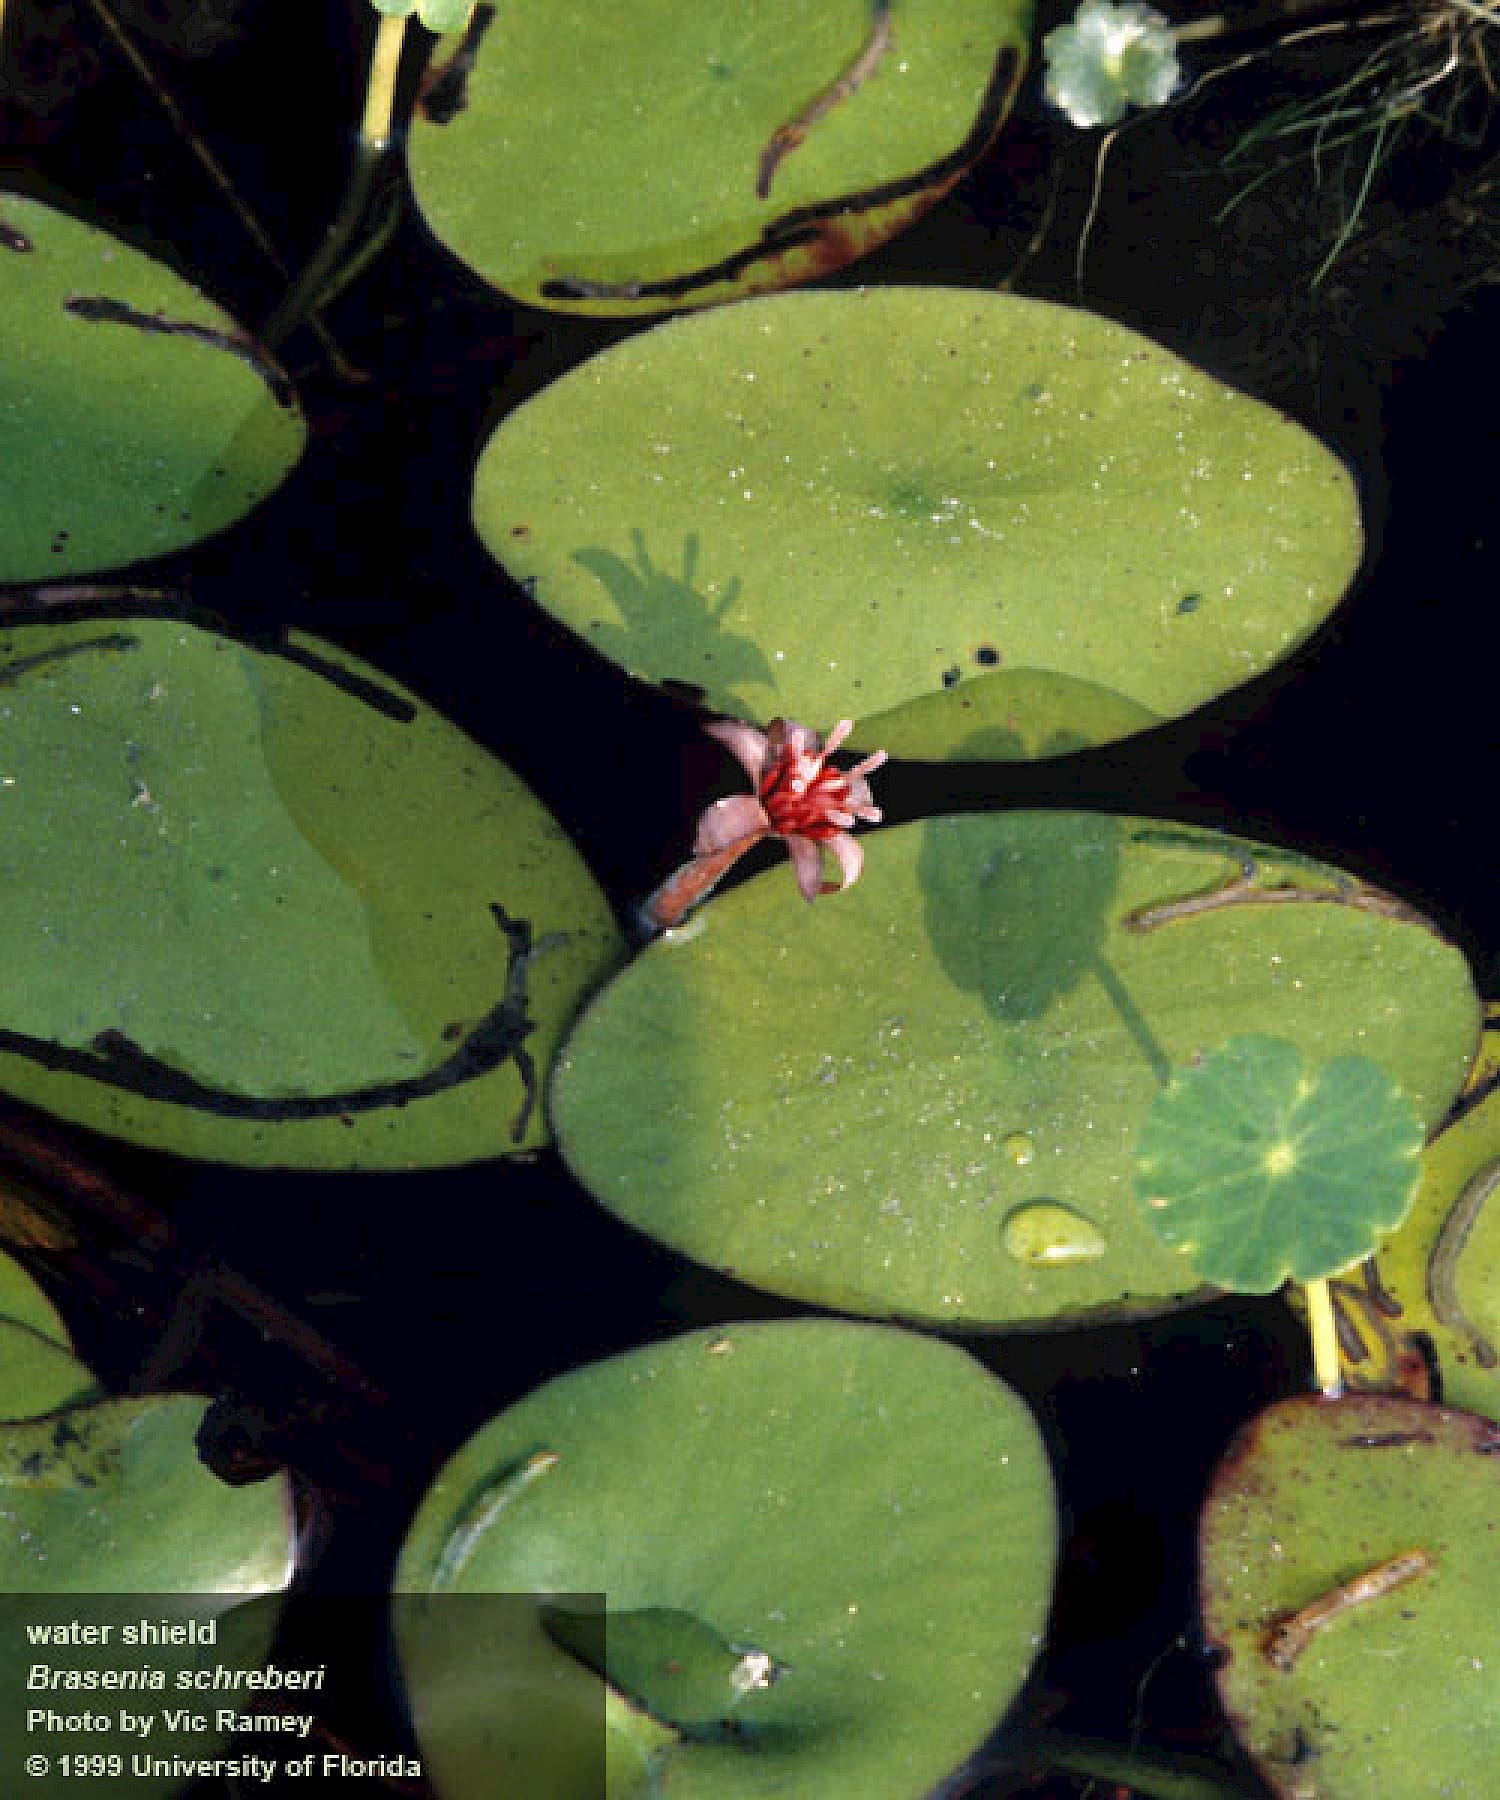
[803, 798]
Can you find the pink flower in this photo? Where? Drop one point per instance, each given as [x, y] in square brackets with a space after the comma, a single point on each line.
[799, 797]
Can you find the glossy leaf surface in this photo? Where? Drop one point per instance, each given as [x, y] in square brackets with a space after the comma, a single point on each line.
[861, 1519]
[1439, 1275]
[111, 1500]
[922, 1097]
[991, 527]
[607, 159]
[23, 1301]
[1260, 1168]
[252, 905]
[38, 1369]
[136, 417]
[1395, 1693]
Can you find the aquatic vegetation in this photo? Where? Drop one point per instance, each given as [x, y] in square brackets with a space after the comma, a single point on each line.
[338, 970]
[1109, 58]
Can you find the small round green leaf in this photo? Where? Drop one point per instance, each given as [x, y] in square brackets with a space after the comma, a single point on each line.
[608, 159]
[1259, 1167]
[135, 416]
[922, 1097]
[989, 526]
[824, 1553]
[264, 906]
[1394, 1689]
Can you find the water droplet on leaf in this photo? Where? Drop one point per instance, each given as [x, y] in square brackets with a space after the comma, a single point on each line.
[1019, 1147]
[1045, 1235]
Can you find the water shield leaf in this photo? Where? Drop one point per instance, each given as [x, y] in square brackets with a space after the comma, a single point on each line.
[1344, 1537]
[136, 416]
[990, 526]
[923, 1098]
[264, 906]
[604, 159]
[807, 1557]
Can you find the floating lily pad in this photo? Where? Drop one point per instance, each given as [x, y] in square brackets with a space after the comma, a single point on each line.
[998, 527]
[825, 1552]
[1397, 1692]
[922, 1098]
[38, 1370]
[38, 1375]
[604, 159]
[264, 906]
[1260, 1168]
[111, 1500]
[1436, 1287]
[23, 1301]
[135, 416]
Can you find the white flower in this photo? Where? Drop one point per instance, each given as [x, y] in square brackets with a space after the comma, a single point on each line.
[1110, 58]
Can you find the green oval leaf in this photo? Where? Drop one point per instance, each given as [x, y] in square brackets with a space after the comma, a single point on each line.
[1439, 1276]
[135, 416]
[38, 1370]
[990, 526]
[38, 1375]
[606, 159]
[264, 906]
[24, 1301]
[838, 1537]
[111, 1500]
[1259, 1168]
[922, 1097]
[1314, 1495]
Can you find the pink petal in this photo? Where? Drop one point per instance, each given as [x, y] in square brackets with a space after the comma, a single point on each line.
[740, 818]
[745, 743]
[860, 801]
[837, 736]
[787, 738]
[850, 857]
[868, 765]
[807, 860]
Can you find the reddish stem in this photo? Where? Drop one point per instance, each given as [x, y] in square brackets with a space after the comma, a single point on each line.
[670, 904]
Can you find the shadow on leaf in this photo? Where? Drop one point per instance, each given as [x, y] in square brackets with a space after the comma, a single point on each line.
[669, 623]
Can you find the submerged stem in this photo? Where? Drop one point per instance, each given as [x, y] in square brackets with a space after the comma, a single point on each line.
[211, 166]
[1325, 1340]
[341, 252]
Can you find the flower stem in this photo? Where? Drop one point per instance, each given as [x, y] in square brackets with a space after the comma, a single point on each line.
[1325, 1340]
[671, 903]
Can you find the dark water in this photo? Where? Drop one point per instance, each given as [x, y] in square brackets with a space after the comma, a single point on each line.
[453, 1293]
